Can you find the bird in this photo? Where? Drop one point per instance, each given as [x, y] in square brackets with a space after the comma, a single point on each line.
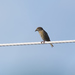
[43, 35]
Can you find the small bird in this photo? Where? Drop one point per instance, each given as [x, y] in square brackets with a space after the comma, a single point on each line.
[43, 34]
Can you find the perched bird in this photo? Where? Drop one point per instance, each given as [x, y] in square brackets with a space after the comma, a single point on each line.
[43, 34]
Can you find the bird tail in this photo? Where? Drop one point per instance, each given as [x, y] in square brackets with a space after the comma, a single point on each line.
[51, 45]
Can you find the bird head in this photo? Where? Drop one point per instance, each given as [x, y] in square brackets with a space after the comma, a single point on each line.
[39, 29]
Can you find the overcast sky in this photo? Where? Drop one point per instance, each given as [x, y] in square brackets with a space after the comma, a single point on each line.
[18, 21]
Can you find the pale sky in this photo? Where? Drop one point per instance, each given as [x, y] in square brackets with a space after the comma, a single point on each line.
[18, 21]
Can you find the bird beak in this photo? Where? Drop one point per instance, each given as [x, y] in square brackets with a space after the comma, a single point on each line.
[35, 30]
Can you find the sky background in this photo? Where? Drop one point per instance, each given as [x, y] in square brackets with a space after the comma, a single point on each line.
[18, 21]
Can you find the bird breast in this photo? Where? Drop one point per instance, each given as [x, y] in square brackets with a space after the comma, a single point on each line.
[42, 34]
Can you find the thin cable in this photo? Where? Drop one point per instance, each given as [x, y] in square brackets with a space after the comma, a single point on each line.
[36, 43]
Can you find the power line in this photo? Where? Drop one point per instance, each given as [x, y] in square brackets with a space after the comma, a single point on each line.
[36, 43]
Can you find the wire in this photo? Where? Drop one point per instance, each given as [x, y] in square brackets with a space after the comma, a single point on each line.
[36, 43]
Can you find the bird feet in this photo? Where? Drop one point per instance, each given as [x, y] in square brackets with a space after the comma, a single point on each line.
[42, 41]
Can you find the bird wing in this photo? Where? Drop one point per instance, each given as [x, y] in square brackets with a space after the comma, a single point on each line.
[46, 36]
